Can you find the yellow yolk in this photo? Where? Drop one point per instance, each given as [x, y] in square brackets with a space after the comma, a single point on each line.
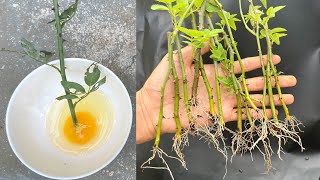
[84, 131]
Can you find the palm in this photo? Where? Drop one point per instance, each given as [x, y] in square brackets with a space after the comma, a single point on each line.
[151, 91]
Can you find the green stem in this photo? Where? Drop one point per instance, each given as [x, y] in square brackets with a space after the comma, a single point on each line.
[160, 117]
[175, 31]
[275, 73]
[243, 20]
[234, 45]
[61, 58]
[269, 56]
[208, 87]
[236, 86]
[257, 35]
[198, 54]
[216, 72]
[249, 115]
[263, 72]
[184, 80]
[196, 76]
[176, 86]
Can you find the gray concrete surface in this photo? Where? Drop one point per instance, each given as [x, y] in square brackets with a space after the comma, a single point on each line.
[103, 30]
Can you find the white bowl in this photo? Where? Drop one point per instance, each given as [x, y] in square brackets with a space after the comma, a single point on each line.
[26, 125]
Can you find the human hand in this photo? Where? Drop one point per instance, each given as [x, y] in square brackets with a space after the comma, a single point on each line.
[148, 97]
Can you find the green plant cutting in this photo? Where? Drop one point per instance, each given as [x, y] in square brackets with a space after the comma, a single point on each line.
[74, 92]
[256, 130]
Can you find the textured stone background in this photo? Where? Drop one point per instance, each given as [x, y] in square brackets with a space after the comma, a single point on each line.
[102, 30]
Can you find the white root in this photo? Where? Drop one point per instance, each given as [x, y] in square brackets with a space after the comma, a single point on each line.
[158, 151]
[213, 135]
[178, 144]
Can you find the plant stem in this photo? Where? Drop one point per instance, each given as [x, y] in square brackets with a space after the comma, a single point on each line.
[243, 20]
[61, 58]
[175, 31]
[236, 86]
[263, 72]
[208, 87]
[233, 43]
[37, 60]
[198, 54]
[269, 56]
[248, 115]
[176, 86]
[160, 117]
[216, 72]
[275, 74]
[184, 80]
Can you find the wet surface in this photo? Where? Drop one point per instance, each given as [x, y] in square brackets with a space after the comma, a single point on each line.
[103, 31]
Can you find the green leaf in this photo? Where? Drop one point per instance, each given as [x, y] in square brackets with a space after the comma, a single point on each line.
[262, 34]
[98, 84]
[198, 3]
[211, 8]
[271, 12]
[278, 30]
[264, 3]
[278, 8]
[226, 81]
[91, 77]
[166, 1]
[67, 14]
[232, 22]
[29, 48]
[276, 37]
[218, 53]
[52, 21]
[69, 96]
[220, 14]
[159, 7]
[73, 86]
[191, 32]
[45, 55]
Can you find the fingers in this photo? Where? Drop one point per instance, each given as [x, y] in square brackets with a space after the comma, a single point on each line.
[253, 113]
[257, 83]
[288, 99]
[253, 63]
[187, 54]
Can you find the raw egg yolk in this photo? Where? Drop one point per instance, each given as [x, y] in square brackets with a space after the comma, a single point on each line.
[85, 130]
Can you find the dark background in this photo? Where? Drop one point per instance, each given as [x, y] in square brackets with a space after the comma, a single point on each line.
[300, 57]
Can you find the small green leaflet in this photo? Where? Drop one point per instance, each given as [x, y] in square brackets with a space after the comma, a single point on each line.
[159, 7]
[166, 1]
[211, 8]
[67, 85]
[98, 84]
[191, 32]
[69, 96]
[231, 19]
[262, 34]
[45, 55]
[67, 14]
[198, 3]
[232, 22]
[276, 37]
[29, 48]
[278, 30]
[271, 12]
[218, 53]
[196, 33]
[264, 3]
[91, 77]
[179, 8]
